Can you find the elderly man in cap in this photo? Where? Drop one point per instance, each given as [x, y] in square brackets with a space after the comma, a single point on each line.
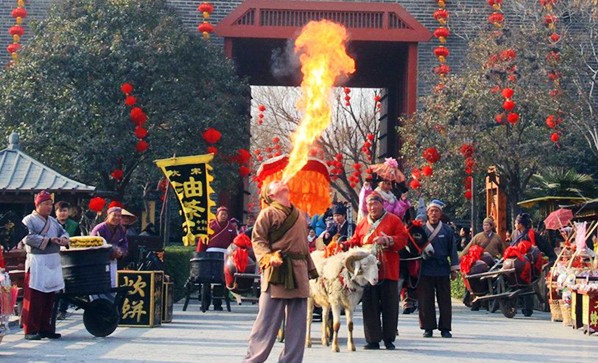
[386, 230]
[278, 240]
[488, 239]
[224, 232]
[341, 225]
[43, 271]
[115, 234]
[436, 269]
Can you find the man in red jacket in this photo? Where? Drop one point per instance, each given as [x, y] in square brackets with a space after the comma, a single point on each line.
[387, 231]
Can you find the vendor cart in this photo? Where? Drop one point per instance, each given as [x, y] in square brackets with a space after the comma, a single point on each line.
[502, 285]
[88, 286]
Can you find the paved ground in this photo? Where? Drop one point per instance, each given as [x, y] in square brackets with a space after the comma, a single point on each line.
[194, 336]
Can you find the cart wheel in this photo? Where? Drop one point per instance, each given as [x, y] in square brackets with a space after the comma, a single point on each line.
[527, 312]
[280, 335]
[101, 318]
[508, 307]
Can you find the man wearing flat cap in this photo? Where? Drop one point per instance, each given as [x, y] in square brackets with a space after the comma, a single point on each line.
[435, 272]
[381, 302]
[341, 225]
[43, 270]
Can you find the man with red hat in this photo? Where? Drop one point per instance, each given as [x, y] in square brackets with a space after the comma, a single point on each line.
[386, 230]
[43, 271]
[223, 233]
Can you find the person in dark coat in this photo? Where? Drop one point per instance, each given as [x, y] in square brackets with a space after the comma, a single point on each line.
[437, 267]
[341, 225]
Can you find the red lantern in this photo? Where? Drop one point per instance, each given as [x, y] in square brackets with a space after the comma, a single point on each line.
[468, 182]
[468, 194]
[212, 150]
[441, 51]
[508, 105]
[16, 30]
[140, 132]
[13, 47]
[512, 118]
[496, 19]
[499, 117]
[117, 174]
[138, 116]
[211, 135]
[415, 173]
[441, 15]
[261, 108]
[554, 137]
[414, 184]
[130, 100]
[205, 8]
[126, 88]
[550, 122]
[466, 150]
[96, 204]
[550, 19]
[19, 13]
[243, 156]
[508, 92]
[555, 37]
[442, 69]
[205, 29]
[431, 154]
[244, 171]
[427, 170]
[442, 33]
[141, 146]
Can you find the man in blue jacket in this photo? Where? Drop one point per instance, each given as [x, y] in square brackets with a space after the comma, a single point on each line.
[436, 270]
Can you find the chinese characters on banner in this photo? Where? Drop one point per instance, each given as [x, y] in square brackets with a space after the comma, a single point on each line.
[190, 178]
[142, 305]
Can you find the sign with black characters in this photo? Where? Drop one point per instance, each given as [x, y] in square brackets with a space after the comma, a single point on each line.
[190, 179]
[142, 306]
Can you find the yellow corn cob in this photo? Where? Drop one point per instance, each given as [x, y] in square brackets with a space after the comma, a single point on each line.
[86, 241]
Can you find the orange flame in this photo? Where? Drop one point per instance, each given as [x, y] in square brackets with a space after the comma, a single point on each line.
[324, 59]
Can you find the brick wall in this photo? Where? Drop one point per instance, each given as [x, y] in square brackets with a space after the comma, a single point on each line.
[466, 17]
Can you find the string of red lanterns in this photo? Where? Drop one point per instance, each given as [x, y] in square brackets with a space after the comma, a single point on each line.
[138, 117]
[347, 92]
[467, 152]
[205, 28]
[211, 136]
[505, 60]
[553, 58]
[17, 30]
[441, 52]
[260, 115]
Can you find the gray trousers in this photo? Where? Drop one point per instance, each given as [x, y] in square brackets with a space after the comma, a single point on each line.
[265, 329]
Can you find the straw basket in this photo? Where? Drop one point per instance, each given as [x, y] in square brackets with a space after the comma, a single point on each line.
[556, 313]
[566, 314]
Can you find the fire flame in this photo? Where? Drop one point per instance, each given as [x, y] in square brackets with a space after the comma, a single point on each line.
[324, 59]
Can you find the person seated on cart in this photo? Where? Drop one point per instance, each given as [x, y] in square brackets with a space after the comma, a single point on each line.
[490, 242]
[43, 269]
[116, 235]
[524, 232]
[224, 232]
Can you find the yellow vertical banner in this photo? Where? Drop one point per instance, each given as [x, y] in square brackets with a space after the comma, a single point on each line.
[190, 179]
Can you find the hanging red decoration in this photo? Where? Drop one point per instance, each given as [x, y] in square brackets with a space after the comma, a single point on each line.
[427, 170]
[206, 9]
[141, 146]
[466, 150]
[415, 173]
[508, 92]
[512, 118]
[126, 88]
[244, 171]
[554, 137]
[140, 132]
[468, 182]
[138, 116]
[468, 194]
[442, 33]
[550, 122]
[211, 135]
[96, 204]
[205, 28]
[13, 47]
[508, 105]
[19, 12]
[212, 150]
[441, 15]
[414, 184]
[16, 30]
[431, 154]
[117, 174]
[130, 100]
[243, 156]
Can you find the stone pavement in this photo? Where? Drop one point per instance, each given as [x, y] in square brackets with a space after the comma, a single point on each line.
[217, 337]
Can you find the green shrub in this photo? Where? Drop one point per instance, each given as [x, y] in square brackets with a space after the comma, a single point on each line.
[177, 266]
[458, 288]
